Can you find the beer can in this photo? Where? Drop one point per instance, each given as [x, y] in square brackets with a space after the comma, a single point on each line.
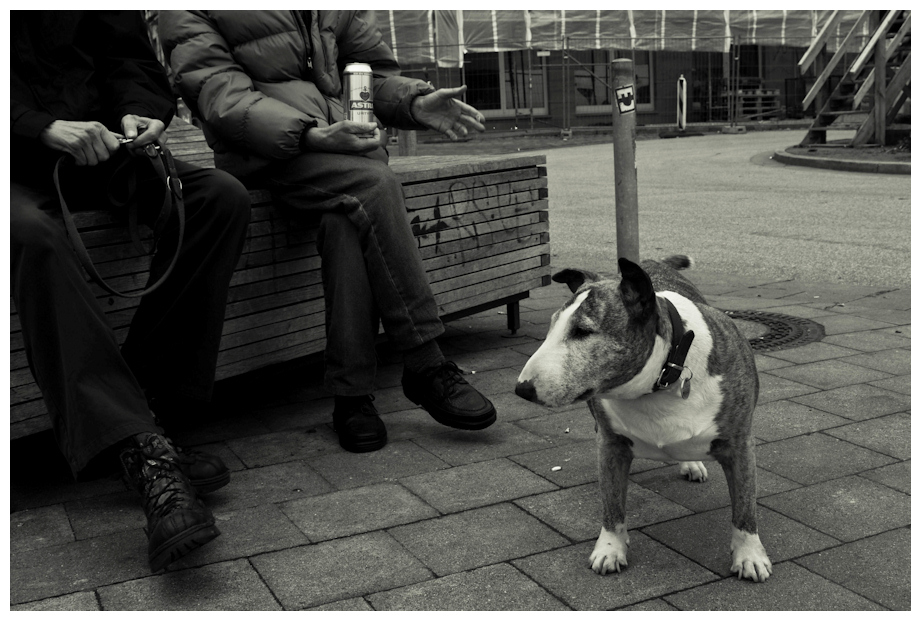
[357, 96]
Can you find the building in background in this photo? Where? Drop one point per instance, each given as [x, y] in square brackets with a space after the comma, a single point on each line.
[551, 69]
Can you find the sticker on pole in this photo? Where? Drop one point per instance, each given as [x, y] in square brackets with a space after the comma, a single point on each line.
[626, 102]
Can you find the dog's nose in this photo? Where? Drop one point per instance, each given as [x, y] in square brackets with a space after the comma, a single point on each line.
[526, 390]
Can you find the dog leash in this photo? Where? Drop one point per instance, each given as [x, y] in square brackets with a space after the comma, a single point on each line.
[162, 161]
[674, 364]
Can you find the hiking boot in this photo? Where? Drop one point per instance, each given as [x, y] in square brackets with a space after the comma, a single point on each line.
[358, 424]
[445, 394]
[177, 520]
[206, 472]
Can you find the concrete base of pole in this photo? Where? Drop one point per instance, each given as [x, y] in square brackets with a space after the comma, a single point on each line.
[733, 129]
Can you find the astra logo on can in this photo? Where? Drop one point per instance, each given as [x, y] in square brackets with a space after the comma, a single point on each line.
[357, 95]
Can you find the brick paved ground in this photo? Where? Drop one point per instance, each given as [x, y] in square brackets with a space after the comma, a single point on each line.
[449, 520]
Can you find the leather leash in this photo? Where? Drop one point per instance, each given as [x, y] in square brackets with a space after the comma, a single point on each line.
[162, 161]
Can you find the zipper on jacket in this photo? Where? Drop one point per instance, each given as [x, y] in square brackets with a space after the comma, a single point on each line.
[303, 18]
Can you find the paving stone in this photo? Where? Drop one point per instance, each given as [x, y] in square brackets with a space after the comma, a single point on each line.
[759, 301]
[278, 483]
[896, 476]
[357, 604]
[816, 457]
[704, 537]
[482, 341]
[857, 402]
[528, 349]
[811, 352]
[712, 493]
[103, 515]
[872, 340]
[356, 511]
[476, 538]
[395, 461]
[767, 363]
[773, 388]
[221, 450]
[33, 494]
[562, 427]
[39, 528]
[650, 605]
[790, 587]
[654, 570]
[883, 560]
[85, 600]
[393, 400]
[510, 407]
[890, 435]
[848, 508]
[784, 419]
[489, 360]
[331, 571]
[410, 424]
[79, 566]
[232, 585]
[284, 446]
[829, 374]
[476, 485]
[900, 384]
[894, 361]
[497, 381]
[842, 324]
[298, 415]
[578, 463]
[219, 429]
[576, 512]
[244, 533]
[497, 587]
[459, 447]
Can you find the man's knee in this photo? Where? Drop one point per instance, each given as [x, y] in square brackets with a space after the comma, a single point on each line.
[227, 195]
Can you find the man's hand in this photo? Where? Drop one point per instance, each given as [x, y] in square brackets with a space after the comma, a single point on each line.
[142, 132]
[88, 142]
[444, 113]
[344, 137]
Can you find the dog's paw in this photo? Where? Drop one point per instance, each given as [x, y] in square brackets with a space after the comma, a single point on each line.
[610, 553]
[749, 558]
[693, 470]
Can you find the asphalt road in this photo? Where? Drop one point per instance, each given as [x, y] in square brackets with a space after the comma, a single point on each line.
[721, 200]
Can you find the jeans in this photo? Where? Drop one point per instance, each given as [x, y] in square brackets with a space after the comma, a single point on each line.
[372, 270]
[94, 392]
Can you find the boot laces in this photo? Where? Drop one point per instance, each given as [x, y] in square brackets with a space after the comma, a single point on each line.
[157, 477]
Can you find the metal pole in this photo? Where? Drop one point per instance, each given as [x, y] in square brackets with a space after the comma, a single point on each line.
[625, 195]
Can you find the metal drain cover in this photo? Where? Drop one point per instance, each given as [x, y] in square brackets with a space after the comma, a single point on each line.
[782, 331]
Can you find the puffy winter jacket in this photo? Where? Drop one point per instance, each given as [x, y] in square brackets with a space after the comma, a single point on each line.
[259, 79]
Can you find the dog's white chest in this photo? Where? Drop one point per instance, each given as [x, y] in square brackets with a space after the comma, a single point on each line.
[664, 426]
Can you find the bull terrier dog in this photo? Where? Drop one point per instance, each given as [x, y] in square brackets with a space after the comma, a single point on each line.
[666, 377]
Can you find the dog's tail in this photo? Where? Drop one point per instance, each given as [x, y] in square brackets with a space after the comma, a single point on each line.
[678, 261]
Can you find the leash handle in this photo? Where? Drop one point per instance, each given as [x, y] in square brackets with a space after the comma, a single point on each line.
[163, 163]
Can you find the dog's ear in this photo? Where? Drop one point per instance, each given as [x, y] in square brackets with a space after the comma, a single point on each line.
[575, 278]
[636, 290]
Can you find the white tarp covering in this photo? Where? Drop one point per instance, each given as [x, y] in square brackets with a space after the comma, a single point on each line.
[442, 37]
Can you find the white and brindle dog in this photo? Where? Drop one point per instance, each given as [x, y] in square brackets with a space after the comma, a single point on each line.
[631, 347]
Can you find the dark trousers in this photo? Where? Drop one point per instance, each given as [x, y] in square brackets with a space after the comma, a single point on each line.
[94, 391]
[372, 270]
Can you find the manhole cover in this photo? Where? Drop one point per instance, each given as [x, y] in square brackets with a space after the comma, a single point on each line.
[773, 331]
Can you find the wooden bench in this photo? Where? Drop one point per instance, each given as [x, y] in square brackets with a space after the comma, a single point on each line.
[480, 222]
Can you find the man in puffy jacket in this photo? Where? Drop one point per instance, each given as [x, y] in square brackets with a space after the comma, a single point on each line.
[267, 86]
[80, 82]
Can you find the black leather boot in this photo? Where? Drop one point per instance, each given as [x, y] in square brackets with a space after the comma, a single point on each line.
[177, 520]
[358, 424]
[445, 394]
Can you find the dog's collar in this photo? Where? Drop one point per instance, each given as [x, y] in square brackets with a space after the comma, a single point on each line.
[674, 364]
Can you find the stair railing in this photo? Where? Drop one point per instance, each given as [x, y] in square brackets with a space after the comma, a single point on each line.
[864, 56]
[839, 54]
[891, 48]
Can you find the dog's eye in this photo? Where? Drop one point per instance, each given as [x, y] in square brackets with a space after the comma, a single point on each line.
[578, 332]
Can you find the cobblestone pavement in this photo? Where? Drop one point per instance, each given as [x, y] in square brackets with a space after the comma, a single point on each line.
[504, 519]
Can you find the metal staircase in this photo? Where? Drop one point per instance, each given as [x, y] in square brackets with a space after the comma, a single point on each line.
[872, 90]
